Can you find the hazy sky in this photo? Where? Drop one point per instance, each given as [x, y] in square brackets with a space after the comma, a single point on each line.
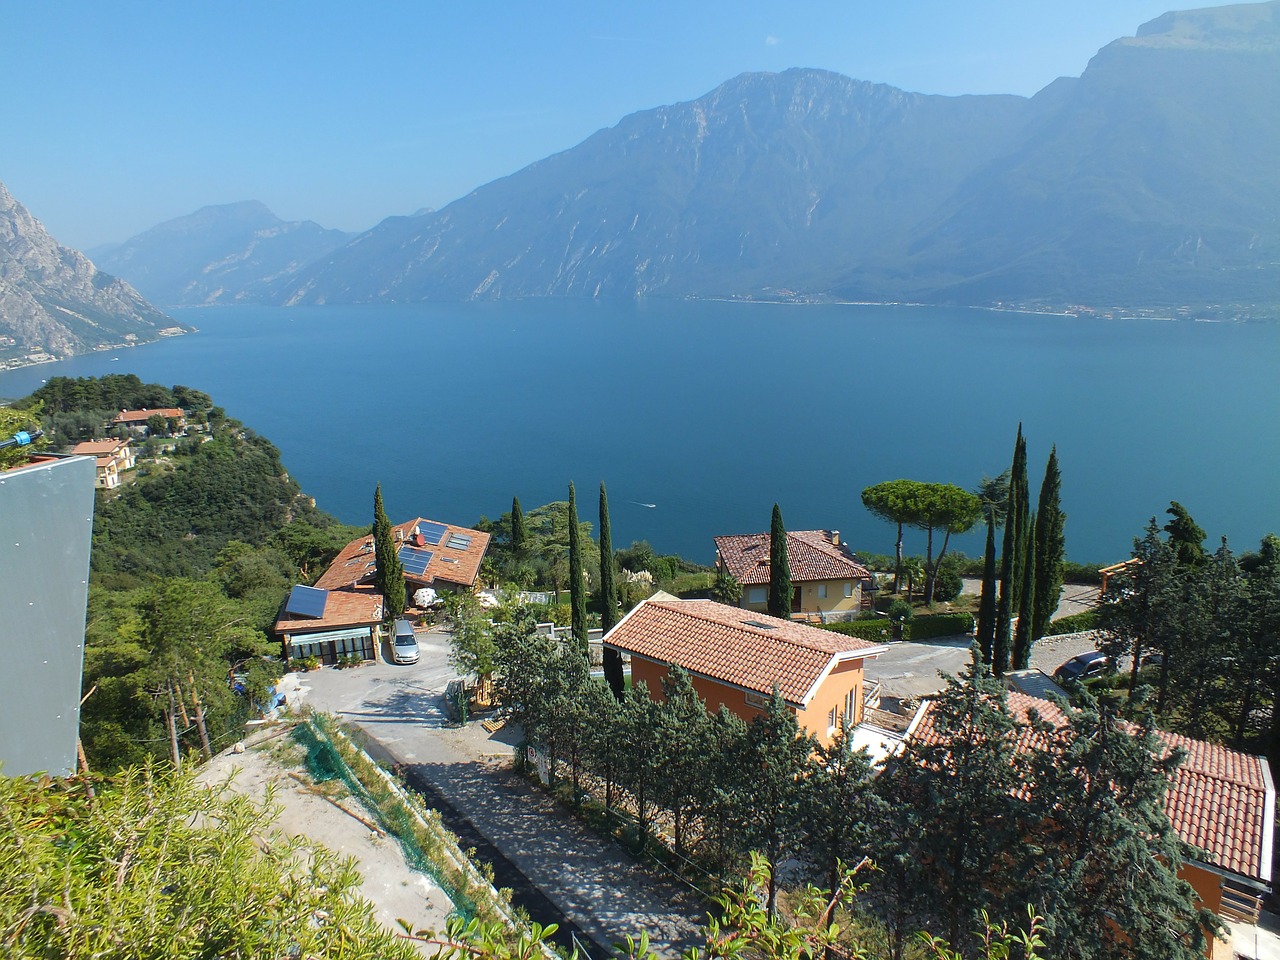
[118, 116]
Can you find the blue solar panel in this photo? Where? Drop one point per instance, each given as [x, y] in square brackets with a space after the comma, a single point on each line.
[414, 560]
[432, 532]
[306, 602]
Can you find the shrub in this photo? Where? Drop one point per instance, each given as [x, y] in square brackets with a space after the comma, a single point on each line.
[1085, 620]
[1080, 572]
[899, 609]
[947, 585]
[928, 626]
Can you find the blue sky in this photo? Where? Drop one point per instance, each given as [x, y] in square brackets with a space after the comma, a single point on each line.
[119, 116]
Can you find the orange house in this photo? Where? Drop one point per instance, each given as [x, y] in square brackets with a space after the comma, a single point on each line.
[1220, 801]
[737, 657]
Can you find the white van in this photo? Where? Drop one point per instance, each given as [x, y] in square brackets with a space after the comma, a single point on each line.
[404, 645]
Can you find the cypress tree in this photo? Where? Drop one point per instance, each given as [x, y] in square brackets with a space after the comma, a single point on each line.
[779, 568]
[1050, 544]
[987, 602]
[609, 598]
[1010, 560]
[517, 529]
[1023, 640]
[577, 591]
[388, 573]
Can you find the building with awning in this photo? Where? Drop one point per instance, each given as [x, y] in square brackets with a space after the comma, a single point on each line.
[330, 624]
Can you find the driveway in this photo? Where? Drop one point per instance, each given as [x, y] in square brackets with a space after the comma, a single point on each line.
[913, 669]
[537, 849]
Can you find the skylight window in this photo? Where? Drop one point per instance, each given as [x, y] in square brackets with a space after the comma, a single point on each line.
[758, 625]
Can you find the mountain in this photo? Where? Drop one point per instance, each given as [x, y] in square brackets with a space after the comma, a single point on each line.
[1148, 180]
[234, 252]
[54, 302]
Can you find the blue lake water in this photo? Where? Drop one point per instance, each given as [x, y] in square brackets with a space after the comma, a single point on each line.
[712, 411]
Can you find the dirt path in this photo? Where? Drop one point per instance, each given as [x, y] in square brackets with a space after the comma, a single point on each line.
[387, 880]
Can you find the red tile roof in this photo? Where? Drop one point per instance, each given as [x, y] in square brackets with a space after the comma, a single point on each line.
[738, 647]
[343, 608]
[1220, 801]
[459, 567]
[142, 416]
[812, 555]
[104, 450]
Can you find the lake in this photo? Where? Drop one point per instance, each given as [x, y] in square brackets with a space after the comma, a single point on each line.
[700, 415]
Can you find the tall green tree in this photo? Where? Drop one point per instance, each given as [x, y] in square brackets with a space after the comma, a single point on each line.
[1050, 545]
[388, 574]
[993, 494]
[1105, 864]
[1022, 639]
[780, 758]
[517, 529]
[1011, 557]
[779, 568]
[893, 501]
[577, 584]
[609, 597]
[841, 807]
[1185, 536]
[956, 800]
[945, 507]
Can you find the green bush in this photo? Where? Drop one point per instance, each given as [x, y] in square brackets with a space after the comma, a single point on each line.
[899, 609]
[1080, 572]
[947, 585]
[928, 626]
[878, 630]
[1086, 620]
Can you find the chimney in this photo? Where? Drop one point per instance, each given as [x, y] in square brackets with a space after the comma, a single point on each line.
[835, 538]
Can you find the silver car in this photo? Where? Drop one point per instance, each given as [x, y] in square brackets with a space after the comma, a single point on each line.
[404, 645]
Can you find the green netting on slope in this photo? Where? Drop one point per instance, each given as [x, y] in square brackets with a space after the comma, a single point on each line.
[324, 763]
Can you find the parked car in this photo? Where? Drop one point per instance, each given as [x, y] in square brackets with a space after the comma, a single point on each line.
[404, 645]
[1083, 667]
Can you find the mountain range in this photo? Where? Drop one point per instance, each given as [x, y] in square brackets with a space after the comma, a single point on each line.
[1150, 180]
[231, 253]
[55, 303]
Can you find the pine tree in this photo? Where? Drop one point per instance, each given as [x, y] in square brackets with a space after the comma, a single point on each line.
[1104, 870]
[388, 574]
[518, 535]
[577, 587]
[779, 568]
[1023, 640]
[1011, 560]
[609, 598]
[1050, 544]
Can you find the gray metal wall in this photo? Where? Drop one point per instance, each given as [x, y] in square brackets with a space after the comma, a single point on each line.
[46, 527]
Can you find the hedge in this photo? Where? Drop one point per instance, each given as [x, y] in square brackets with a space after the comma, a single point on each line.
[1077, 622]
[929, 625]
[879, 630]
[923, 627]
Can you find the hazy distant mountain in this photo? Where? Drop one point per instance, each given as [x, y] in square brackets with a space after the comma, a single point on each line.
[54, 301]
[1151, 179]
[234, 252]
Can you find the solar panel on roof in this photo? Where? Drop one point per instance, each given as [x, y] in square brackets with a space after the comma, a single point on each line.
[432, 532]
[414, 560]
[306, 602]
[459, 541]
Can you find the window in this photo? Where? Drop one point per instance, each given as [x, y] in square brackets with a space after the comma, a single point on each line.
[822, 591]
[848, 589]
[832, 718]
[757, 700]
[851, 706]
[757, 595]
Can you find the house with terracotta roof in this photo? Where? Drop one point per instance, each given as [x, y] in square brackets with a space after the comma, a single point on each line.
[1220, 801]
[825, 575]
[112, 457]
[441, 556]
[736, 658]
[136, 420]
[330, 624]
